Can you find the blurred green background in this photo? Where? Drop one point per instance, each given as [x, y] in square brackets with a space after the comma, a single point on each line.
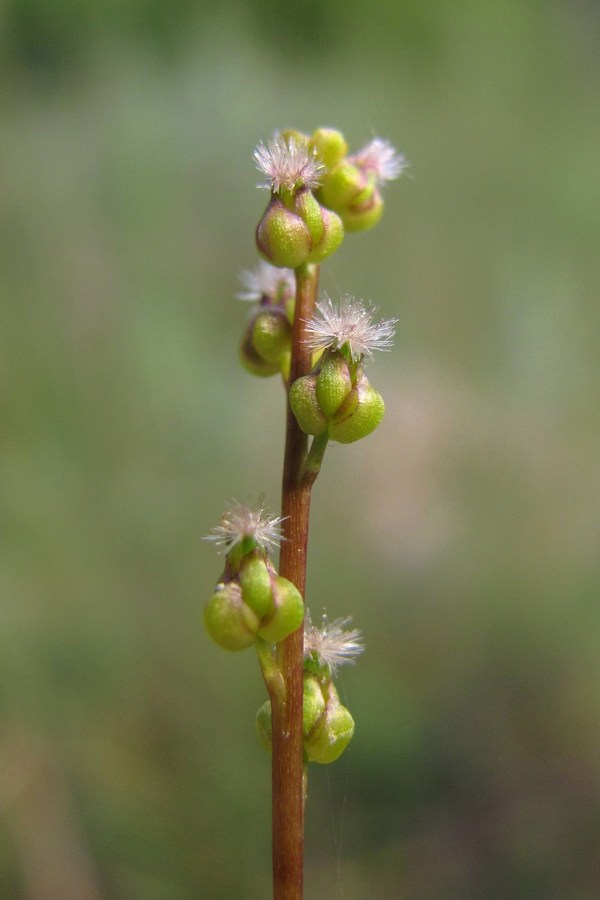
[462, 536]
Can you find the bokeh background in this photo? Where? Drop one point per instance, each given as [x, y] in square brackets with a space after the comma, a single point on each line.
[462, 536]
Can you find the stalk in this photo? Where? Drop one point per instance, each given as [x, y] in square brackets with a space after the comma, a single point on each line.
[288, 788]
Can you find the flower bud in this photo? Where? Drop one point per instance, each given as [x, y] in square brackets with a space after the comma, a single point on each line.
[330, 145]
[288, 613]
[334, 383]
[332, 732]
[255, 582]
[228, 620]
[271, 335]
[282, 237]
[264, 725]
[305, 406]
[363, 420]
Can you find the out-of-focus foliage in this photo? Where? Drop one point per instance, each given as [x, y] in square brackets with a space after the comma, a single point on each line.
[463, 535]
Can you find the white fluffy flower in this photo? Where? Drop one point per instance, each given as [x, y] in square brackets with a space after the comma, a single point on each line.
[240, 522]
[265, 281]
[351, 324]
[333, 643]
[287, 164]
[381, 158]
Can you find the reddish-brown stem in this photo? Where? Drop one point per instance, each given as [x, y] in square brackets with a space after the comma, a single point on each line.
[287, 773]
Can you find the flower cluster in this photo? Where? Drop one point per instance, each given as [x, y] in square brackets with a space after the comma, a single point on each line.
[317, 191]
[336, 398]
[265, 348]
[328, 726]
[352, 184]
[295, 228]
[251, 600]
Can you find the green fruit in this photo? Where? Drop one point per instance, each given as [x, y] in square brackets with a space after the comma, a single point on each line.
[228, 620]
[271, 335]
[288, 614]
[305, 406]
[333, 384]
[313, 704]
[330, 145]
[255, 582]
[282, 237]
[332, 237]
[332, 734]
[363, 420]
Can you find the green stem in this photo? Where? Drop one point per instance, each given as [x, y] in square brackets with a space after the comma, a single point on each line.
[270, 671]
[312, 463]
[288, 765]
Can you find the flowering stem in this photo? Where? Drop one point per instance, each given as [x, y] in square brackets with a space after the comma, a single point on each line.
[287, 773]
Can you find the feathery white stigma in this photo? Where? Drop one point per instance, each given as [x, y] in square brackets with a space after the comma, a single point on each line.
[381, 158]
[265, 281]
[349, 324]
[239, 522]
[333, 644]
[287, 164]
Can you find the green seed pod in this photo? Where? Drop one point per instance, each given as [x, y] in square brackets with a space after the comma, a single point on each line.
[313, 703]
[347, 408]
[254, 363]
[361, 216]
[282, 237]
[330, 145]
[271, 335]
[288, 614]
[333, 384]
[341, 186]
[305, 406]
[308, 208]
[363, 420]
[333, 235]
[255, 581]
[331, 735]
[264, 725]
[228, 620]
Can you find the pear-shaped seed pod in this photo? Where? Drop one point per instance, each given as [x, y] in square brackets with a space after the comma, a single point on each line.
[330, 145]
[228, 620]
[332, 734]
[255, 581]
[364, 214]
[313, 703]
[282, 237]
[288, 613]
[305, 406]
[254, 363]
[340, 186]
[365, 418]
[333, 384]
[333, 235]
[271, 335]
[311, 212]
